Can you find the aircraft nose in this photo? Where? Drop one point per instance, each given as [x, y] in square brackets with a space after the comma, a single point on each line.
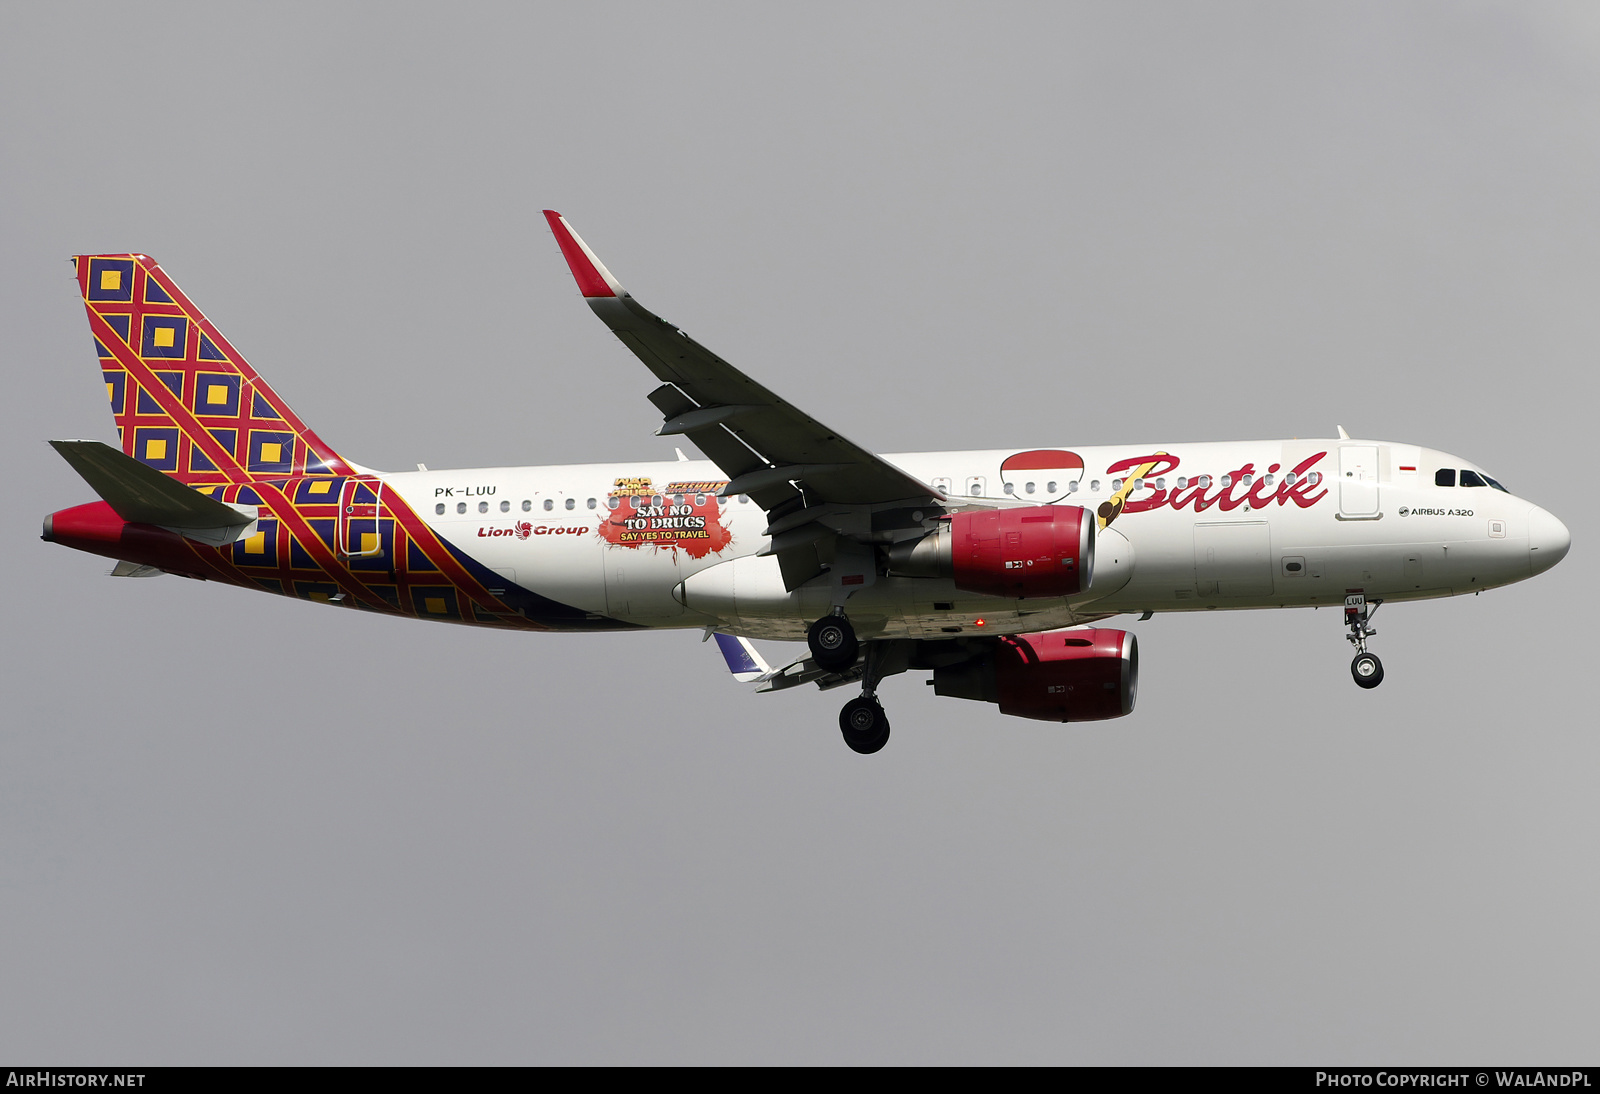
[1548, 540]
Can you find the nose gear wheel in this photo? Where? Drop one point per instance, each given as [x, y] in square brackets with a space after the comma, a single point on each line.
[1366, 669]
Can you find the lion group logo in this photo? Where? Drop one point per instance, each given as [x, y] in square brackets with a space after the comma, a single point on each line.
[523, 530]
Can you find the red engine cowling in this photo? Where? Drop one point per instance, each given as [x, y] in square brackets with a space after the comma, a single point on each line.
[1034, 551]
[1083, 675]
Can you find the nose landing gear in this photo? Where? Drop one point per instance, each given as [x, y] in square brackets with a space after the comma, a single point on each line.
[1366, 668]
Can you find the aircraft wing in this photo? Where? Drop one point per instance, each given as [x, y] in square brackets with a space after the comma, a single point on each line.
[782, 457]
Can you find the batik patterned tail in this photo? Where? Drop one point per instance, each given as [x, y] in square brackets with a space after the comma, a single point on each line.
[186, 402]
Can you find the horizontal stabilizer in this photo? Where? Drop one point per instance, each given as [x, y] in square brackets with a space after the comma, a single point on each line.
[142, 495]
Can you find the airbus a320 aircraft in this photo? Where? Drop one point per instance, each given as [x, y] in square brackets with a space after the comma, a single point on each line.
[989, 569]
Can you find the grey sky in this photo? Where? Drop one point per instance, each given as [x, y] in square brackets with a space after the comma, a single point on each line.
[239, 829]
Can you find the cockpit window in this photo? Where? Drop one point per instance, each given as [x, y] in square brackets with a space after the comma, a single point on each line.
[1445, 476]
[1495, 484]
[1470, 478]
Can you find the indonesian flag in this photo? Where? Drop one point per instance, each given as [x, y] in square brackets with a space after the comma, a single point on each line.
[1041, 466]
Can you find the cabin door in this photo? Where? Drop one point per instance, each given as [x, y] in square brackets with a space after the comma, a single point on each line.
[1358, 482]
[360, 536]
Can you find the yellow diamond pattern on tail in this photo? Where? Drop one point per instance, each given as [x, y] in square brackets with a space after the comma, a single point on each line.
[142, 322]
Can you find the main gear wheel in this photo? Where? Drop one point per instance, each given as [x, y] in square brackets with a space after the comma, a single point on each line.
[864, 724]
[833, 643]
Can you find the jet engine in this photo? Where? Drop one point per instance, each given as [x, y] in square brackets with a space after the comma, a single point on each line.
[1082, 675]
[1034, 551]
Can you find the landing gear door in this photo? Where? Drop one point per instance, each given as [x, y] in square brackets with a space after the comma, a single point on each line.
[1358, 482]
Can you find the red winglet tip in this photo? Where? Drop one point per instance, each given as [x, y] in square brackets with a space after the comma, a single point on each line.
[591, 277]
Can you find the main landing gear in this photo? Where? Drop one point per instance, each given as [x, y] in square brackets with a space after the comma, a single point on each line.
[864, 724]
[1366, 668]
[835, 648]
[833, 642]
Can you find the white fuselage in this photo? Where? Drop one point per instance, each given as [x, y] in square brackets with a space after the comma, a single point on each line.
[1204, 526]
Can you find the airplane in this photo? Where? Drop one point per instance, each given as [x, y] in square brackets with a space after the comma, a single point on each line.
[991, 570]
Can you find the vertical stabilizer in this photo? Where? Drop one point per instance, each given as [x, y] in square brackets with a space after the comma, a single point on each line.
[186, 402]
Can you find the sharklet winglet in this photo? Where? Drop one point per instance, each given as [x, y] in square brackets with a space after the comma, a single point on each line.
[743, 661]
[593, 279]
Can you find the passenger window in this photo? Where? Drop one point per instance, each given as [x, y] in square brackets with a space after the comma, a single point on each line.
[438, 510]
[942, 485]
[1289, 478]
[1266, 480]
[1227, 481]
[1116, 484]
[1314, 477]
[744, 498]
[483, 507]
[526, 505]
[975, 487]
[505, 507]
[1010, 489]
[1205, 482]
[1183, 483]
[572, 503]
[1094, 486]
[1247, 480]
[613, 501]
[461, 507]
[1445, 476]
[1470, 478]
[549, 504]
[1161, 483]
[591, 503]
[1050, 488]
[1028, 488]
[1138, 484]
